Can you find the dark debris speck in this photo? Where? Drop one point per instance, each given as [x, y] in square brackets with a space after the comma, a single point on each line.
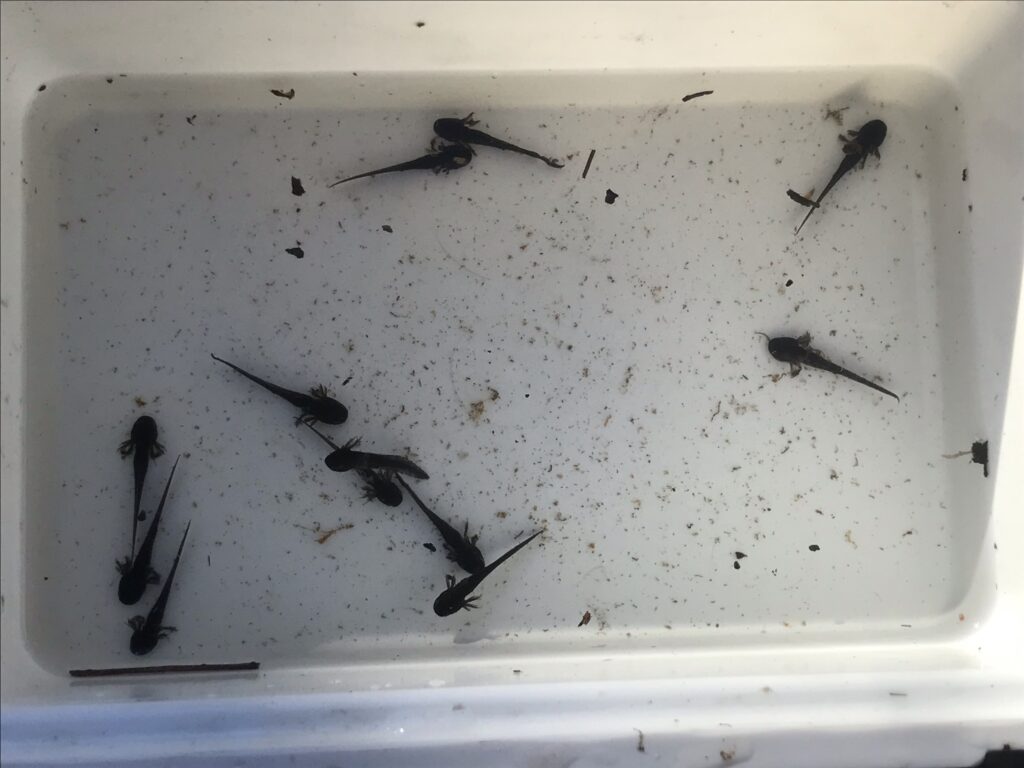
[814, 547]
[387, 228]
[979, 454]
[609, 197]
[429, 546]
[289, 94]
[696, 95]
[297, 188]
[297, 252]
[835, 114]
[590, 159]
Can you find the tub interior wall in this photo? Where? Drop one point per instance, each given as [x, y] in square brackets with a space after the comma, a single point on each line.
[554, 362]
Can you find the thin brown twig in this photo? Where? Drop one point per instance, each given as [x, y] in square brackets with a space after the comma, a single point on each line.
[166, 669]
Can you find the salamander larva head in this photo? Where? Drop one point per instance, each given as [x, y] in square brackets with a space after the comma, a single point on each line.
[786, 349]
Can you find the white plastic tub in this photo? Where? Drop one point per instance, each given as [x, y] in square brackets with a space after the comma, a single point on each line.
[552, 360]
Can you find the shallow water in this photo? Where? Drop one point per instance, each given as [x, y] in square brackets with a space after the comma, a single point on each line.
[552, 360]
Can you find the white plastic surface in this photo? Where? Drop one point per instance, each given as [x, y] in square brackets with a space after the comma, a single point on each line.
[552, 360]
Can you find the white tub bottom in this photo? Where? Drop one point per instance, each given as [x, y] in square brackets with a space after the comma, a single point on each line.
[554, 361]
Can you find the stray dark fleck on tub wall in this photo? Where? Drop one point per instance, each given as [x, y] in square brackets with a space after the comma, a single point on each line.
[42, 87]
[609, 197]
[421, 24]
[297, 188]
[814, 547]
[430, 546]
[585, 620]
[289, 94]
[964, 177]
[297, 252]
[696, 95]
[190, 119]
[979, 454]
[387, 228]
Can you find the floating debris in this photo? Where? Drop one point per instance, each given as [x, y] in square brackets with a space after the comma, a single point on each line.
[166, 669]
[979, 455]
[590, 159]
[323, 534]
[835, 114]
[697, 95]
